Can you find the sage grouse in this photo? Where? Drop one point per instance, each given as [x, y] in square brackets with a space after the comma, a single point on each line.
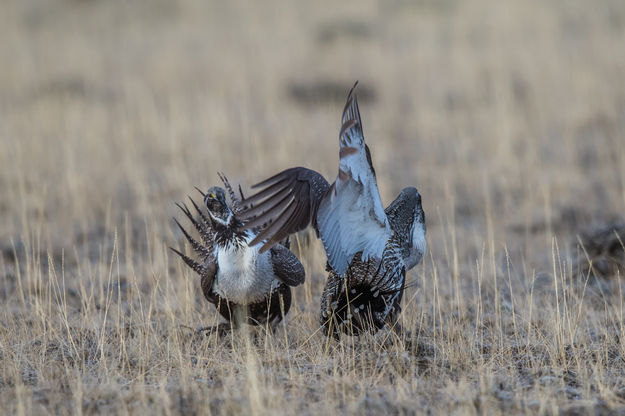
[369, 249]
[245, 284]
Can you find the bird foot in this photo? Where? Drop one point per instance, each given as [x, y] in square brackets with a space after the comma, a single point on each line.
[221, 330]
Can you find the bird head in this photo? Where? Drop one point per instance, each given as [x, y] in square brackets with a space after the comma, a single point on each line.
[407, 219]
[218, 209]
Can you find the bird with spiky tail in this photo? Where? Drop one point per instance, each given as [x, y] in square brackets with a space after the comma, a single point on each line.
[245, 284]
[369, 249]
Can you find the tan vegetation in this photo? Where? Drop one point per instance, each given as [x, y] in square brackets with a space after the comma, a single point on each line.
[508, 116]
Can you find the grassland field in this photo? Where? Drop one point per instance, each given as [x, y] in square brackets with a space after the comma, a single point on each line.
[508, 116]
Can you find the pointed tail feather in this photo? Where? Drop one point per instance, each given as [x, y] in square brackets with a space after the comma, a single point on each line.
[236, 203]
[202, 228]
[197, 267]
[201, 250]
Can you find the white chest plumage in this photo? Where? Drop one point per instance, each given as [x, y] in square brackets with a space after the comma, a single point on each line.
[244, 276]
[418, 246]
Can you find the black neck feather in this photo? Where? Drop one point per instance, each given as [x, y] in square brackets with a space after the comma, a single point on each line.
[229, 234]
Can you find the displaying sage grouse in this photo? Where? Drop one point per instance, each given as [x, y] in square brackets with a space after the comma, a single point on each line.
[369, 249]
[245, 284]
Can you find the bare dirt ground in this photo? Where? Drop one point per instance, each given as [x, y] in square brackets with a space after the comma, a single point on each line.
[509, 117]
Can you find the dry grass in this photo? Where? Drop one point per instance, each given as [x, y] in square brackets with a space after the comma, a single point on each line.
[508, 116]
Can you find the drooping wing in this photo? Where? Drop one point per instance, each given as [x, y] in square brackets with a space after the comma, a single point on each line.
[351, 217]
[286, 266]
[286, 204]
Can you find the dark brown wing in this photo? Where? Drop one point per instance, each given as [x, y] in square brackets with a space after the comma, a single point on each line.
[286, 266]
[287, 203]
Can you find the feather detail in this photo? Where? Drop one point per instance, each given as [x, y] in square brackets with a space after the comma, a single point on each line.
[202, 251]
[197, 267]
[236, 202]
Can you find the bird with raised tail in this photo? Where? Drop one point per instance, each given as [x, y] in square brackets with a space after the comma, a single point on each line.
[244, 283]
[368, 248]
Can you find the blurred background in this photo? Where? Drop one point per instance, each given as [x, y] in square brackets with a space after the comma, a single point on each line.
[113, 108]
